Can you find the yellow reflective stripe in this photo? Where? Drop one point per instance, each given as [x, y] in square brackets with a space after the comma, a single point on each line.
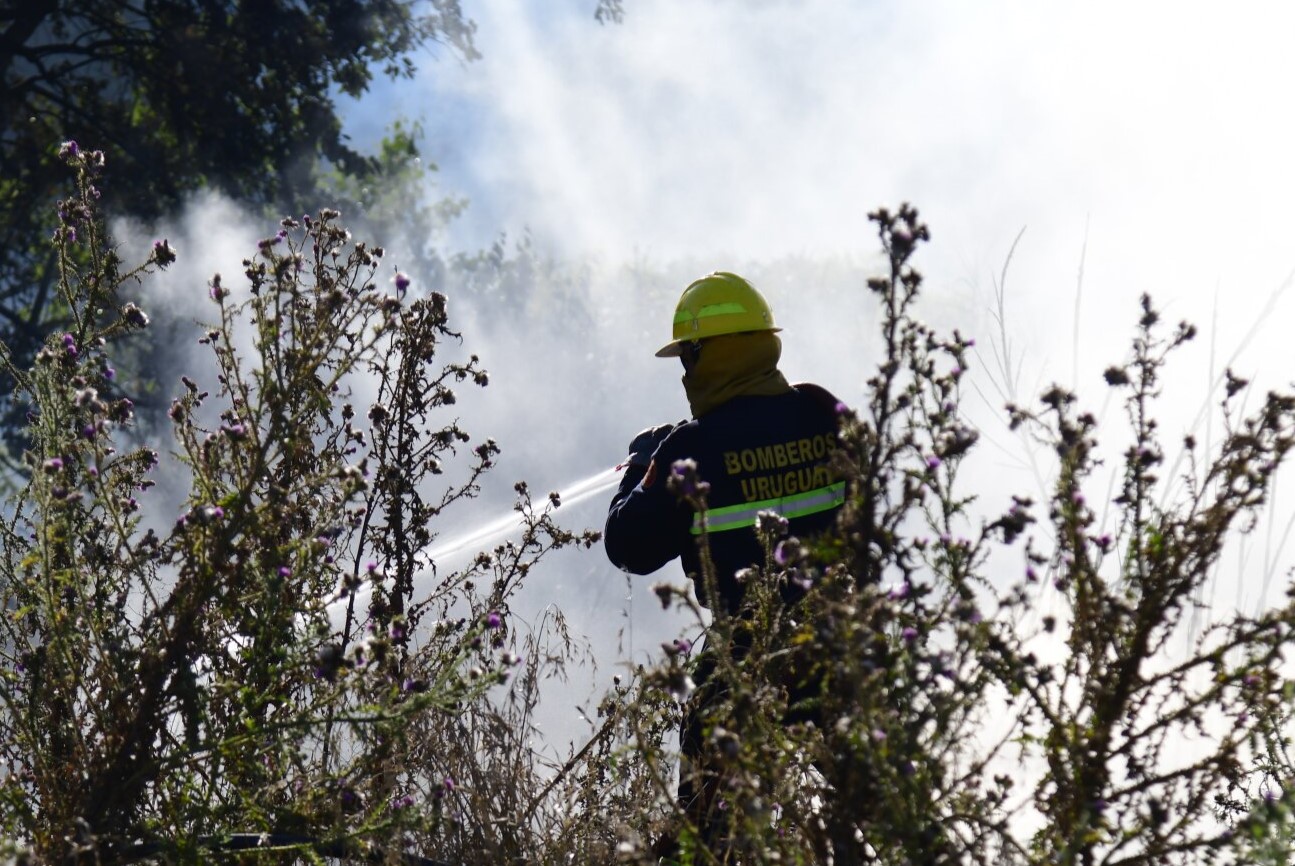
[740, 516]
[709, 310]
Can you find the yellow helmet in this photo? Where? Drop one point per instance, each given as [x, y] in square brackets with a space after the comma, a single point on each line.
[718, 303]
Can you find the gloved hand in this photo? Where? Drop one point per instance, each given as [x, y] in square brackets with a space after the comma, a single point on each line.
[645, 444]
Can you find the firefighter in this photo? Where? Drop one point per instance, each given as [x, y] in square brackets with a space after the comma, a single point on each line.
[760, 443]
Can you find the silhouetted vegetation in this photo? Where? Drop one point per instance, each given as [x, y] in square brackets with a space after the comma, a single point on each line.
[280, 657]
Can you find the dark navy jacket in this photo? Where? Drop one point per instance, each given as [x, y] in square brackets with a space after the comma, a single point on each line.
[757, 453]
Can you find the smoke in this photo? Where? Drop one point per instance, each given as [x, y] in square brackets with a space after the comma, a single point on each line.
[740, 132]
[1067, 160]
[211, 235]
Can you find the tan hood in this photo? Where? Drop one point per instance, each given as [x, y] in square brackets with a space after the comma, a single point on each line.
[734, 365]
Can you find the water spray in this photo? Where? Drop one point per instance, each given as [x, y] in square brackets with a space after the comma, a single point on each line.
[572, 494]
[469, 541]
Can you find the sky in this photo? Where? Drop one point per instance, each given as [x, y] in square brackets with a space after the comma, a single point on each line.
[1154, 133]
[1132, 148]
[1067, 158]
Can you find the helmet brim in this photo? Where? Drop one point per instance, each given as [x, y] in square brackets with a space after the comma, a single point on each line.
[671, 349]
[674, 348]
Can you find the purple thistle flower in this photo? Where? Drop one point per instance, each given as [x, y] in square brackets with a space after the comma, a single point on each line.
[685, 474]
[909, 634]
[786, 552]
[493, 620]
[163, 252]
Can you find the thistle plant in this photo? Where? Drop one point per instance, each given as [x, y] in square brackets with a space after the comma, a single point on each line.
[1154, 752]
[258, 664]
[283, 666]
[925, 700]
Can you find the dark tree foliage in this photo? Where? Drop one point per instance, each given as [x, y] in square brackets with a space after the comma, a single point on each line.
[239, 95]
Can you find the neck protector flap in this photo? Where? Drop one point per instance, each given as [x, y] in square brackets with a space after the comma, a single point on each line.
[735, 365]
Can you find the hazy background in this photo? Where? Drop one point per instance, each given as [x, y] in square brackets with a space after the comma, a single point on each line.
[1132, 148]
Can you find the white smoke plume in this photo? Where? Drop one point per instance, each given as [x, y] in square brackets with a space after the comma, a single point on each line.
[1067, 160]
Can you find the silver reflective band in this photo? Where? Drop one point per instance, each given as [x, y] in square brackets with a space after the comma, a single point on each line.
[739, 516]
